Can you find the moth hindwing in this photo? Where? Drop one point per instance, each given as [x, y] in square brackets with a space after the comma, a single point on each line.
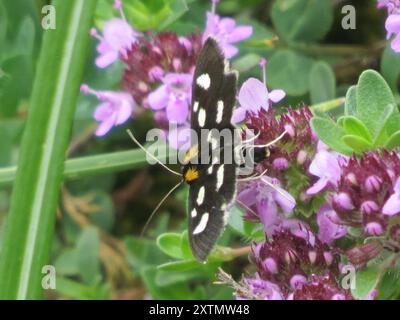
[212, 183]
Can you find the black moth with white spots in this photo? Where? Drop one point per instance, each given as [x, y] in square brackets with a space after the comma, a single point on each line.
[212, 185]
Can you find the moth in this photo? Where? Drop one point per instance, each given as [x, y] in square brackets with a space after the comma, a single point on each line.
[211, 184]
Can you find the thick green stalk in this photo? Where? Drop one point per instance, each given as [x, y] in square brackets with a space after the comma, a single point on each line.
[30, 224]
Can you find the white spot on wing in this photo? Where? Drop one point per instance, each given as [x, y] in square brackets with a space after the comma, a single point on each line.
[195, 106]
[202, 117]
[220, 111]
[193, 213]
[200, 196]
[202, 224]
[220, 177]
[204, 81]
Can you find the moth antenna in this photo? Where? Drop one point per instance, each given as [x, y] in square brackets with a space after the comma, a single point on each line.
[253, 177]
[270, 143]
[277, 190]
[252, 138]
[158, 207]
[150, 155]
[246, 207]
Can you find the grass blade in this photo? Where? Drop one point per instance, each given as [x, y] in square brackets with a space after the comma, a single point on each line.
[29, 230]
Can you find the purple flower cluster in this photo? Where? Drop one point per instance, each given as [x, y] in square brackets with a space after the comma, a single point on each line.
[309, 200]
[158, 69]
[392, 23]
[295, 268]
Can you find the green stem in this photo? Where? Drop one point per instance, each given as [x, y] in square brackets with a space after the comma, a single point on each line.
[29, 228]
[328, 105]
[92, 165]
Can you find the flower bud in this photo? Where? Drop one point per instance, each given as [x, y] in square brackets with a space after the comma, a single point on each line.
[280, 164]
[369, 206]
[374, 228]
[297, 280]
[373, 183]
[343, 201]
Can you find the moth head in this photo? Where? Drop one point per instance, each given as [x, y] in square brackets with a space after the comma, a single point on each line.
[190, 174]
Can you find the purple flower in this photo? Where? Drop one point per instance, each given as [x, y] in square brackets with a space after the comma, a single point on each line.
[115, 108]
[392, 205]
[392, 26]
[118, 37]
[174, 95]
[262, 289]
[329, 229]
[254, 96]
[325, 166]
[267, 200]
[225, 31]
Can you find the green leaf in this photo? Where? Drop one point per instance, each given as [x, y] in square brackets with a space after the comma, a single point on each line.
[302, 20]
[178, 9]
[142, 253]
[289, 71]
[185, 246]
[350, 107]
[393, 141]
[353, 126]
[366, 280]
[30, 224]
[179, 291]
[247, 62]
[147, 14]
[181, 265]
[3, 26]
[72, 289]
[170, 244]
[87, 255]
[330, 133]
[67, 263]
[357, 143]
[390, 67]
[322, 83]
[373, 100]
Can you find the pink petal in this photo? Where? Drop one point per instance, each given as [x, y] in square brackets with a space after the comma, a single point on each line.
[105, 126]
[239, 114]
[229, 50]
[106, 59]
[285, 200]
[276, 95]
[392, 205]
[179, 138]
[268, 213]
[103, 112]
[253, 95]
[124, 112]
[177, 110]
[227, 25]
[118, 34]
[158, 98]
[240, 33]
[395, 44]
[392, 24]
[317, 187]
